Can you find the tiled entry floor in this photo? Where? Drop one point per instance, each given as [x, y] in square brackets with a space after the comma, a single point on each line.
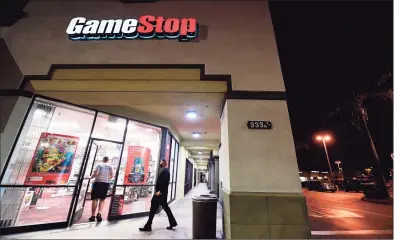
[128, 229]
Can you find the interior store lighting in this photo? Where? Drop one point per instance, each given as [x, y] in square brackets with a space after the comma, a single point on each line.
[38, 113]
[115, 125]
[64, 124]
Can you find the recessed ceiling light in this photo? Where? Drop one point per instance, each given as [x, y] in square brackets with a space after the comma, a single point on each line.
[200, 158]
[191, 114]
[199, 152]
[196, 134]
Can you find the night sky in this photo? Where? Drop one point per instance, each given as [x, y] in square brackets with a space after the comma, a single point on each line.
[329, 50]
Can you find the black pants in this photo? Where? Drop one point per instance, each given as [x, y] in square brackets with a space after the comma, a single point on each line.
[155, 203]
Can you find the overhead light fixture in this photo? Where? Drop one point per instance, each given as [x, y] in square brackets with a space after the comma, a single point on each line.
[196, 134]
[200, 158]
[191, 114]
[199, 152]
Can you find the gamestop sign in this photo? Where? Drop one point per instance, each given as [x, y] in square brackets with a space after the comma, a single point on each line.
[146, 27]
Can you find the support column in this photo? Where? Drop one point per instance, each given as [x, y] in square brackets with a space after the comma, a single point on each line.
[261, 189]
[213, 167]
[209, 176]
[216, 176]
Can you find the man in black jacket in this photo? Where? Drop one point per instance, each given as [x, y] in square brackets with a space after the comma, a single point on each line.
[160, 198]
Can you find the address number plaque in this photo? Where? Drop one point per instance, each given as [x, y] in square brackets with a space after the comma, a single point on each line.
[259, 125]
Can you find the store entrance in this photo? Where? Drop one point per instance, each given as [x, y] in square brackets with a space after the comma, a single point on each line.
[97, 149]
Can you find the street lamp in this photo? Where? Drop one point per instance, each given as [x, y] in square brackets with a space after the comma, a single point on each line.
[339, 168]
[324, 139]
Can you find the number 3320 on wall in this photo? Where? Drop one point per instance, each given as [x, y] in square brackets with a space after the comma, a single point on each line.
[259, 125]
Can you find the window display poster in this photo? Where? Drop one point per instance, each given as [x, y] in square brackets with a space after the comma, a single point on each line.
[137, 165]
[52, 160]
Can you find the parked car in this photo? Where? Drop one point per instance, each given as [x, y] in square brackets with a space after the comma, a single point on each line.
[321, 186]
[353, 185]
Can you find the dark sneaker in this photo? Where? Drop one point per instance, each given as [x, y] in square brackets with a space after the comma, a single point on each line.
[171, 227]
[99, 218]
[92, 219]
[146, 229]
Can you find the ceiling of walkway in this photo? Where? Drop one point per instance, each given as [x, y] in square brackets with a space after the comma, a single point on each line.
[160, 96]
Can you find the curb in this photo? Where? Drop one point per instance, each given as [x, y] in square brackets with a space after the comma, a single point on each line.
[379, 201]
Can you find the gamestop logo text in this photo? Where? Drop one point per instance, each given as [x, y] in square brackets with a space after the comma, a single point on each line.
[147, 27]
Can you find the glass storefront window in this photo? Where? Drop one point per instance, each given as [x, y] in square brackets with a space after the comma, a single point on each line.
[34, 205]
[172, 160]
[176, 162]
[173, 191]
[109, 127]
[168, 146]
[172, 151]
[140, 155]
[138, 167]
[137, 199]
[169, 192]
[54, 147]
[51, 145]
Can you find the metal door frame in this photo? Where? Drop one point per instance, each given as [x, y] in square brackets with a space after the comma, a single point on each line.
[80, 181]
[81, 177]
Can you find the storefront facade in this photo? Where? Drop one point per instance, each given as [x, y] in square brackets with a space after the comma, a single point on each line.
[238, 49]
[52, 130]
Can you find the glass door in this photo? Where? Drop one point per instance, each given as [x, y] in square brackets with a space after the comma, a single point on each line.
[83, 185]
[98, 149]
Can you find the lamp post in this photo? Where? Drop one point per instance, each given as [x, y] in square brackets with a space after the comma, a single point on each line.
[325, 139]
[339, 168]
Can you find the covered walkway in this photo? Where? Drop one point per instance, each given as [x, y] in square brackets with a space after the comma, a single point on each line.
[128, 229]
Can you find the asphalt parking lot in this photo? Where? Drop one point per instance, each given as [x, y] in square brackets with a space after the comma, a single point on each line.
[343, 215]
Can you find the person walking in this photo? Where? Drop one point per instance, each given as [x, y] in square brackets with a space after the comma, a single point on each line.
[160, 198]
[102, 175]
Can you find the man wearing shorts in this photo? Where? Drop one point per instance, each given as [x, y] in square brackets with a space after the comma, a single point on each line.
[102, 175]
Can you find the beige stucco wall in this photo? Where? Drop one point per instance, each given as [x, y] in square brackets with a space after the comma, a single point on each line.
[240, 39]
[180, 186]
[261, 160]
[183, 154]
[224, 164]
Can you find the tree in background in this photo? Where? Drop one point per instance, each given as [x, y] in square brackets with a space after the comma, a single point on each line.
[355, 109]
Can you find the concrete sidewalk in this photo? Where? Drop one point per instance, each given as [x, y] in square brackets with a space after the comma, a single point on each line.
[128, 229]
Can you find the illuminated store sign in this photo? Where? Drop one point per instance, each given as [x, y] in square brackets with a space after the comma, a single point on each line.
[147, 27]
